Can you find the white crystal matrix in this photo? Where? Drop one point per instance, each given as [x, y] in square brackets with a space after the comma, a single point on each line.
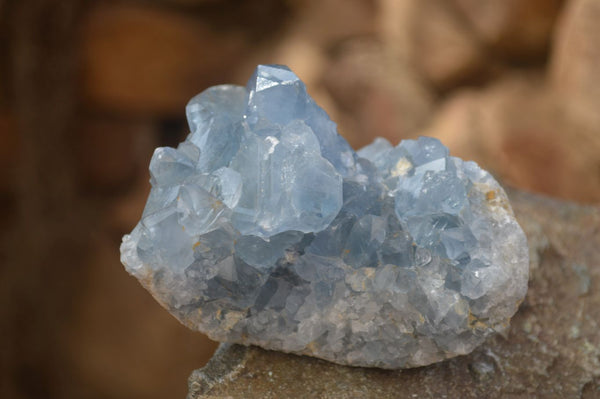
[264, 227]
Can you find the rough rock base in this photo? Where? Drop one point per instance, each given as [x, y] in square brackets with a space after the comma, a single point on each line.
[551, 351]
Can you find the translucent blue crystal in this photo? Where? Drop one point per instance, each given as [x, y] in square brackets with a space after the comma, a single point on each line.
[264, 227]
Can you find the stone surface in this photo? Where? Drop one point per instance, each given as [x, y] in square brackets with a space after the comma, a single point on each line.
[264, 227]
[551, 351]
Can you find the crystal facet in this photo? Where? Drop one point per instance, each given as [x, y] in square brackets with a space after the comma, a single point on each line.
[264, 227]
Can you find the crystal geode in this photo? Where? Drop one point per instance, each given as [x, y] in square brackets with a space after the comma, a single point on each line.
[264, 227]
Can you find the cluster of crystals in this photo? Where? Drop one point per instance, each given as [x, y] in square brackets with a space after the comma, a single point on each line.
[265, 227]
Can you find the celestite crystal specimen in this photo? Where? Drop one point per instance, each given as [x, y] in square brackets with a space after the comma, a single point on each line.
[264, 227]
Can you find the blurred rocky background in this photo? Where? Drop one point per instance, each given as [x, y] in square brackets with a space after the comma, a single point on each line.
[89, 88]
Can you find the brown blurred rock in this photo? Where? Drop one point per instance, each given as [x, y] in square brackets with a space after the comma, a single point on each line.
[376, 94]
[144, 60]
[111, 151]
[575, 64]
[124, 213]
[120, 343]
[394, 23]
[520, 29]
[9, 151]
[442, 47]
[327, 22]
[517, 129]
[552, 349]
[186, 3]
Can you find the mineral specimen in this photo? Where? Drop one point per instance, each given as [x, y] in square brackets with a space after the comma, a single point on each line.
[264, 227]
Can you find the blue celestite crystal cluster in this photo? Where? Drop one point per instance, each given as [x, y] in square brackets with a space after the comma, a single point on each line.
[264, 227]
